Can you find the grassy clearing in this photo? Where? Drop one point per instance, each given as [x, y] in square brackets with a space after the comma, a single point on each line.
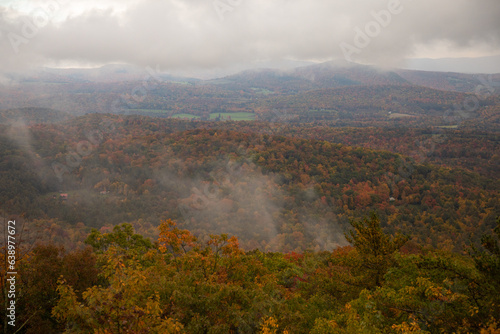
[186, 116]
[448, 126]
[235, 116]
[262, 91]
[398, 115]
[155, 111]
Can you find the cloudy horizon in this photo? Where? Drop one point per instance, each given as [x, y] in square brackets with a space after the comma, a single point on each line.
[195, 34]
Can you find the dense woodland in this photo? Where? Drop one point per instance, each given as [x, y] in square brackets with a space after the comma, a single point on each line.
[356, 202]
[180, 283]
[299, 192]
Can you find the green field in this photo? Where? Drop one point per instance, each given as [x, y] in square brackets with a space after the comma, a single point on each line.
[188, 116]
[398, 115]
[262, 91]
[235, 116]
[448, 126]
[155, 111]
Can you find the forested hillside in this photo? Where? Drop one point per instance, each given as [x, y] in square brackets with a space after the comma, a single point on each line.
[316, 200]
[339, 95]
[275, 192]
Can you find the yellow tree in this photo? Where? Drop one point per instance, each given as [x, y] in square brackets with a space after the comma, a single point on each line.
[129, 303]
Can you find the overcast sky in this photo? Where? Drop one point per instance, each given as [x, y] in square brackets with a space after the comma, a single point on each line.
[186, 34]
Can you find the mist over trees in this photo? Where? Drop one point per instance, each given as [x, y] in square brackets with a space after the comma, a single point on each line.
[341, 201]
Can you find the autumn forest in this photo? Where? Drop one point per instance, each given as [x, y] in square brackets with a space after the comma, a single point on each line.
[321, 200]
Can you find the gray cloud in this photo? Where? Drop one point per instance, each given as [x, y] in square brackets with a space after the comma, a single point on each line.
[187, 34]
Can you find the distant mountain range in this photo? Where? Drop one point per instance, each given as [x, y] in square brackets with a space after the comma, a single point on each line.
[331, 75]
[298, 76]
[489, 64]
[331, 91]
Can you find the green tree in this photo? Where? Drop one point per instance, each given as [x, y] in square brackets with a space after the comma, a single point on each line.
[374, 250]
[487, 288]
[123, 237]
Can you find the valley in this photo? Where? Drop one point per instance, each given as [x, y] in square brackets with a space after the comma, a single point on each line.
[264, 182]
